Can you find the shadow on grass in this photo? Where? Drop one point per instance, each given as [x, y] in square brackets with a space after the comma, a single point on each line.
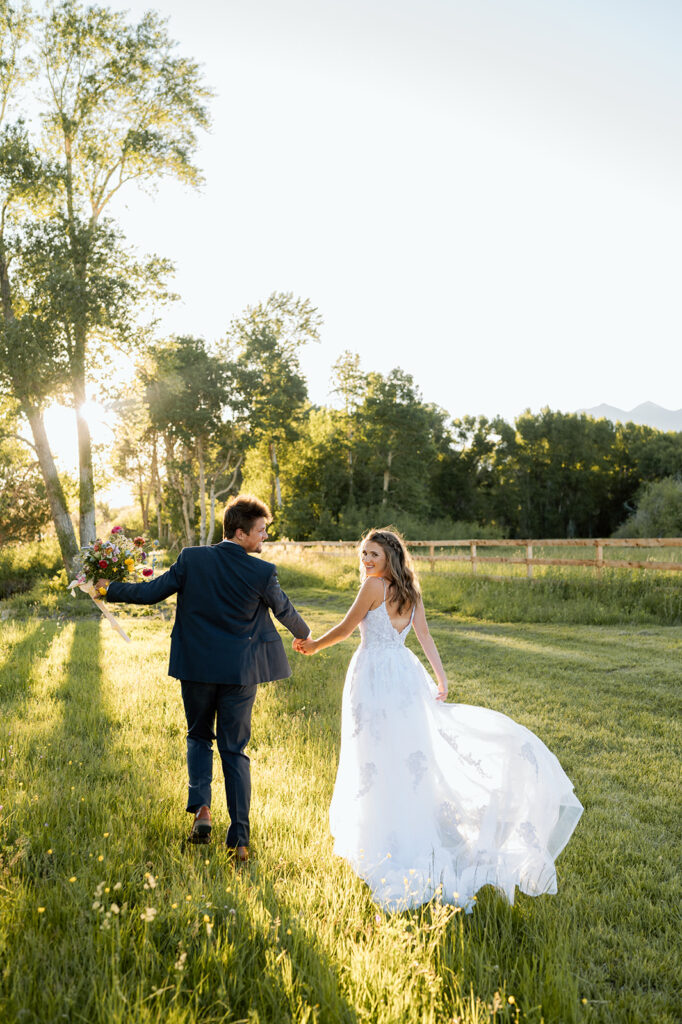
[280, 971]
[17, 670]
[526, 950]
[108, 820]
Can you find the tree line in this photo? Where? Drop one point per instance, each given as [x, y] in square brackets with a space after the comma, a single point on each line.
[237, 414]
[117, 105]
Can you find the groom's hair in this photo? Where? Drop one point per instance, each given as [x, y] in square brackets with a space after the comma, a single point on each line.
[242, 512]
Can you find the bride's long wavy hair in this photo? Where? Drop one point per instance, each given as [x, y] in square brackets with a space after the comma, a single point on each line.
[403, 585]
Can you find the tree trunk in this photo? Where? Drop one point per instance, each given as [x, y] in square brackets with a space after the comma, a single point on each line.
[158, 491]
[145, 513]
[387, 477]
[276, 489]
[53, 487]
[202, 492]
[188, 509]
[188, 502]
[86, 479]
[211, 513]
[80, 247]
[60, 513]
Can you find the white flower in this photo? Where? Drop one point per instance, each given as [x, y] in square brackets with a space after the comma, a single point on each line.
[180, 962]
[115, 909]
[148, 914]
[150, 882]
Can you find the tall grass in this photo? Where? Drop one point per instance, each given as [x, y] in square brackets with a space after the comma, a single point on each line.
[107, 917]
[566, 594]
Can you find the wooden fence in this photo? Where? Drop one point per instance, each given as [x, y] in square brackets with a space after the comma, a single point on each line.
[529, 559]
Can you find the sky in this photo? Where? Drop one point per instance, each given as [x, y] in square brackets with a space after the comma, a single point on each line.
[485, 193]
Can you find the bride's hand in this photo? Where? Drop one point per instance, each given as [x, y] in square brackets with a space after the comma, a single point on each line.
[304, 646]
[442, 691]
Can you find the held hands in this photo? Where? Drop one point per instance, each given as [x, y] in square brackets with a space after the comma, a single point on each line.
[308, 646]
[442, 690]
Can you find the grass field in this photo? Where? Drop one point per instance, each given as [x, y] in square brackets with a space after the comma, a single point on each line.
[105, 916]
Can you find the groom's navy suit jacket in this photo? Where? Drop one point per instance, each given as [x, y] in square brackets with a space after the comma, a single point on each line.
[223, 632]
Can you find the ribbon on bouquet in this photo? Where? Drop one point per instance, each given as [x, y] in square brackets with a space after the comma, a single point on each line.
[89, 589]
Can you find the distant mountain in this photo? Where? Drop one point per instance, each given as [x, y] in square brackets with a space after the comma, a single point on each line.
[648, 414]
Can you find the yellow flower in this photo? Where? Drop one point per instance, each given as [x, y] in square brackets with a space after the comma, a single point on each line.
[41, 910]
[49, 852]
[102, 591]
[130, 562]
[73, 878]
[174, 906]
[206, 917]
[100, 858]
[188, 898]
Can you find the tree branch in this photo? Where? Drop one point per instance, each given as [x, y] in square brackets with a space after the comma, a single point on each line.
[18, 437]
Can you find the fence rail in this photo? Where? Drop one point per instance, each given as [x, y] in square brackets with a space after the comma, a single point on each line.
[345, 547]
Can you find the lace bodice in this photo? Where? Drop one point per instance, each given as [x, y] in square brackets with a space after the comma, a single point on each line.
[377, 630]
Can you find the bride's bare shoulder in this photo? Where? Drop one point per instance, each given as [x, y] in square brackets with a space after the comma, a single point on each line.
[372, 590]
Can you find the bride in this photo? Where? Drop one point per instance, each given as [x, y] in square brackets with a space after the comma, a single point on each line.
[433, 799]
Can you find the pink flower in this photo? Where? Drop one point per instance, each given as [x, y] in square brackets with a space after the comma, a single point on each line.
[102, 563]
[117, 529]
[147, 572]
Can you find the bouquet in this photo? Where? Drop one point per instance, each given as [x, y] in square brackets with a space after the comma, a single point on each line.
[116, 558]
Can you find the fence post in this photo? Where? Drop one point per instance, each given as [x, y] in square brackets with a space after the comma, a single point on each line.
[432, 557]
[600, 556]
[529, 561]
[474, 558]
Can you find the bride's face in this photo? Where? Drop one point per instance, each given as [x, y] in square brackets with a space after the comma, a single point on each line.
[374, 559]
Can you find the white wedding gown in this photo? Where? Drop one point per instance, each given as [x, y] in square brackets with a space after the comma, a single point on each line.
[436, 799]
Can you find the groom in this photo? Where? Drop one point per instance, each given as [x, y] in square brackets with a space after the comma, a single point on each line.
[223, 643]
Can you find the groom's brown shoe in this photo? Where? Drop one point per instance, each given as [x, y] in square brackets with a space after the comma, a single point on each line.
[201, 827]
[240, 853]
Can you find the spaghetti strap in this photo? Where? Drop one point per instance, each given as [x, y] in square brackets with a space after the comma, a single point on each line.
[384, 583]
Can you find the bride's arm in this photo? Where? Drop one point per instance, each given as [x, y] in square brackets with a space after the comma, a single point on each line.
[421, 628]
[370, 596]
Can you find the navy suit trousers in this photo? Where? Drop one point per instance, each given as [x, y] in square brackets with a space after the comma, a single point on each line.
[220, 711]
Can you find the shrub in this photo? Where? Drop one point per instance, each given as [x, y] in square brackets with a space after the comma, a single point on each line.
[659, 511]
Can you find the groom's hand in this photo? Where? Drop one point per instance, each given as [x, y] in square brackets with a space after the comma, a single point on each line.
[308, 646]
[101, 586]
